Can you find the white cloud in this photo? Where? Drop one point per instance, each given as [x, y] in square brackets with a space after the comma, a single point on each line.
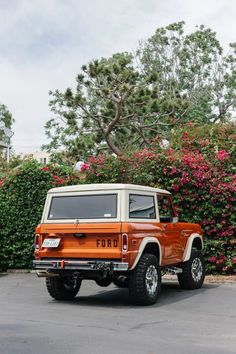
[43, 44]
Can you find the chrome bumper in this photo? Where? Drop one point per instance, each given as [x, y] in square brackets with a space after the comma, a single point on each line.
[59, 264]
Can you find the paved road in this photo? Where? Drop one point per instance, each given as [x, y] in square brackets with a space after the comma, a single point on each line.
[100, 320]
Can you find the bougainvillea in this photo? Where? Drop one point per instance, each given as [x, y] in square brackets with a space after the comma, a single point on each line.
[202, 181]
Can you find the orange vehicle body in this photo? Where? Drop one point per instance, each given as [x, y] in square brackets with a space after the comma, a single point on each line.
[104, 240]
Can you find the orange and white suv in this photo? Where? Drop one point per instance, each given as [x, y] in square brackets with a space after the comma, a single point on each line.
[121, 233]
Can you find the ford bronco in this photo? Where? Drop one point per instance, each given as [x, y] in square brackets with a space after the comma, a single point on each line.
[124, 234]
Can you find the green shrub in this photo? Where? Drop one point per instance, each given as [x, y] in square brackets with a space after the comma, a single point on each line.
[22, 197]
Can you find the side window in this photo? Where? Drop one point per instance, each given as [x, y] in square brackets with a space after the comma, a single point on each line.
[165, 208]
[141, 207]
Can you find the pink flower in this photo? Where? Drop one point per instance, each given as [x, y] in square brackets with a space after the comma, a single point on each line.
[222, 155]
[175, 188]
[84, 167]
[92, 159]
[220, 261]
[165, 171]
[234, 260]
[212, 259]
[185, 135]
[225, 269]
[190, 124]
[1, 182]
[173, 171]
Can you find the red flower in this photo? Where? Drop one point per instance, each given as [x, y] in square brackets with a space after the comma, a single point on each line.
[222, 155]
[1, 182]
[175, 187]
[92, 159]
[84, 167]
[220, 261]
[212, 259]
[44, 169]
[185, 135]
[58, 179]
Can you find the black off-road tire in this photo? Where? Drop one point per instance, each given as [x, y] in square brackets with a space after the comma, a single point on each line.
[103, 282]
[145, 281]
[194, 270]
[62, 288]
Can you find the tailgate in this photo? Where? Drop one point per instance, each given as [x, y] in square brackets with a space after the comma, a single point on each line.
[82, 241]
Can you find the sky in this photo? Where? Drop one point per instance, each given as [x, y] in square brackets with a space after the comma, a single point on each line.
[44, 43]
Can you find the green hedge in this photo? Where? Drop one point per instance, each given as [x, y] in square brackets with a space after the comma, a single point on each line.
[22, 197]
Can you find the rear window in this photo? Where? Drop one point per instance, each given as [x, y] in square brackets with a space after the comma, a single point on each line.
[141, 207]
[84, 207]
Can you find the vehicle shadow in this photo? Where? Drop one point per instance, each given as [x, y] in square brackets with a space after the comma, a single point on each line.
[115, 297]
[3, 274]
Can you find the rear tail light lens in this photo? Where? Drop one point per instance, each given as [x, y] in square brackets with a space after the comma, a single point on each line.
[37, 241]
[124, 243]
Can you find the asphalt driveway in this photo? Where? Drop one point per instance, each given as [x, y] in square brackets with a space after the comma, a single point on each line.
[100, 320]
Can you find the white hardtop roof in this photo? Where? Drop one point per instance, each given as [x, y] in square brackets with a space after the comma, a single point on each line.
[106, 186]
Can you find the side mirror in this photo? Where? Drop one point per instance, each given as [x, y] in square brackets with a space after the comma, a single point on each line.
[175, 219]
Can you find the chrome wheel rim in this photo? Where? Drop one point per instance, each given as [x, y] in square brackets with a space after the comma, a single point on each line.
[151, 279]
[196, 269]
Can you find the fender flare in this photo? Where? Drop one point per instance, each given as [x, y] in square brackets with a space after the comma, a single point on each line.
[188, 248]
[142, 246]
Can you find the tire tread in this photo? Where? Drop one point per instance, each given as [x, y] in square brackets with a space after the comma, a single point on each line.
[57, 290]
[137, 288]
[185, 278]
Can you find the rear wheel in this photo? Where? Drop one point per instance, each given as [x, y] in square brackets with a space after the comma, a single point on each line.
[63, 288]
[145, 281]
[193, 274]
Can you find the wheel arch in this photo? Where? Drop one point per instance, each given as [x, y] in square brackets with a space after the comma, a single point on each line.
[194, 241]
[148, 245]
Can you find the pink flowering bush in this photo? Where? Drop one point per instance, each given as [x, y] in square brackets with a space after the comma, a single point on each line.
[201, 177]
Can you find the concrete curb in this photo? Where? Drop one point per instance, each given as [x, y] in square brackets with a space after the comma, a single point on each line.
[209, 278]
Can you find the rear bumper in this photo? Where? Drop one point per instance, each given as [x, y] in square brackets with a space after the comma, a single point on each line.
[60, 264]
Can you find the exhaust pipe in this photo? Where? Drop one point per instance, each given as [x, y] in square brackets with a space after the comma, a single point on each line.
[45, 273]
